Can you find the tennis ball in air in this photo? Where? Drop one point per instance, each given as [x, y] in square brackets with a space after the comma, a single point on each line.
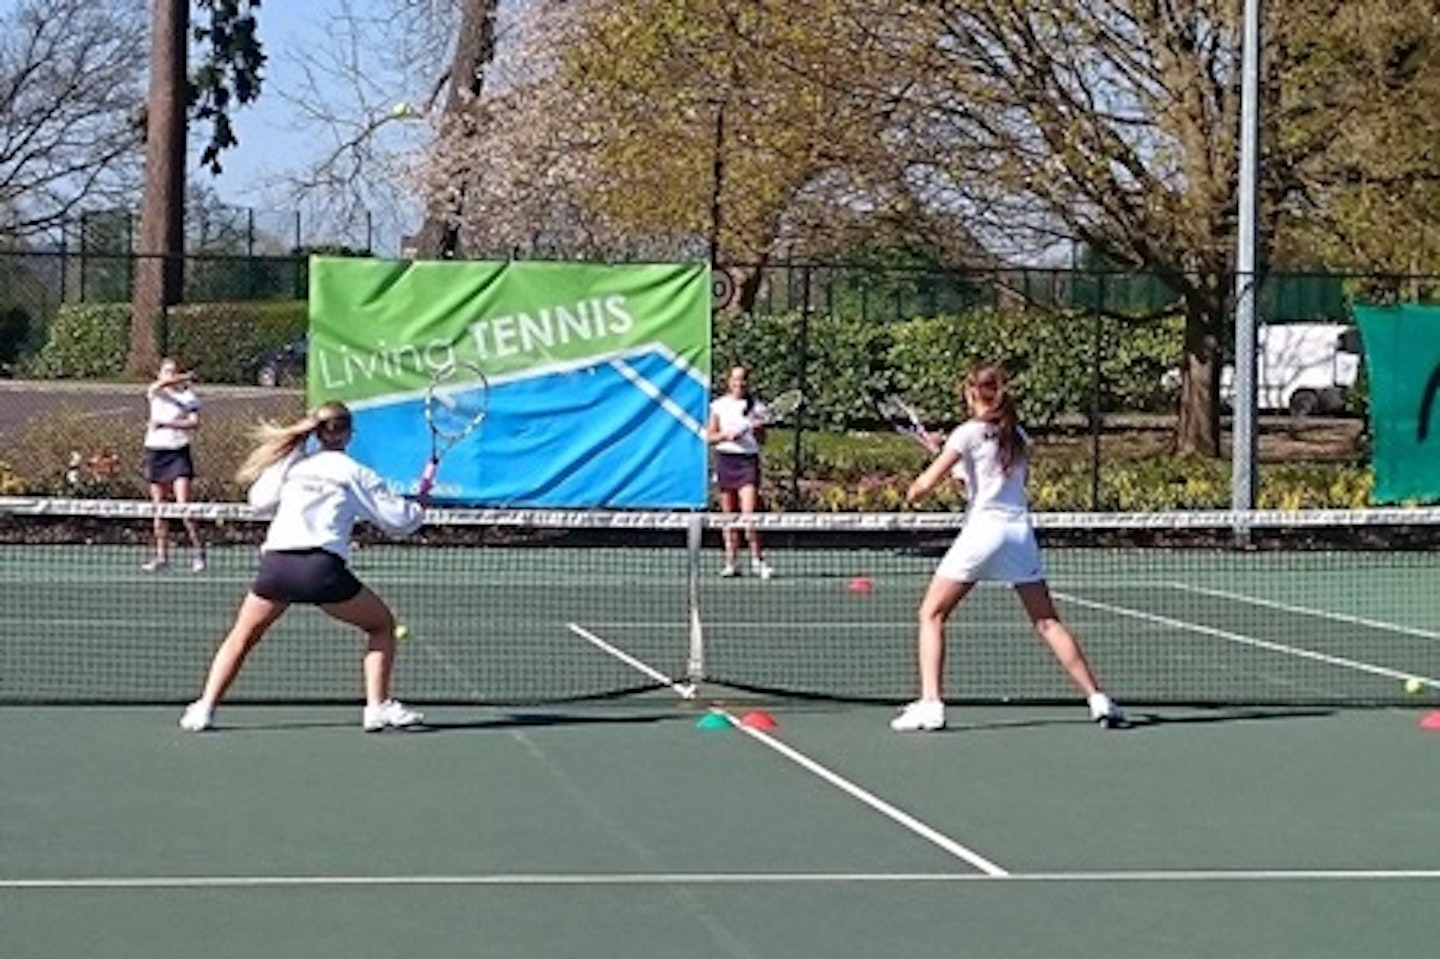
[401, 109]
[402, 631]
[1413, 685]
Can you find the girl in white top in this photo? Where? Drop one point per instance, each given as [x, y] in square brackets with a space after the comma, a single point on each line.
[315, 497]
[736, 430]
[989, 453]
[169, 467]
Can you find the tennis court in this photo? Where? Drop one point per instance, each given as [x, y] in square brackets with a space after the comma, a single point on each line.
[1274, 797]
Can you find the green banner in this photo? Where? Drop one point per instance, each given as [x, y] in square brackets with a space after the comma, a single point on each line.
[599, 375]
[1402, 352]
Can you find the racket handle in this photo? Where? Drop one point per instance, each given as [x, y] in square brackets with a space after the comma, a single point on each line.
[427, 477]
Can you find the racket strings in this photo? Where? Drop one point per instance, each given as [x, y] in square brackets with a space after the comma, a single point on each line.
[785, 405]
[456, 401]
[894, 410]
[454, 415]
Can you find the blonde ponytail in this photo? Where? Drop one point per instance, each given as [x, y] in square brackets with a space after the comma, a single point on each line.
[275, 441]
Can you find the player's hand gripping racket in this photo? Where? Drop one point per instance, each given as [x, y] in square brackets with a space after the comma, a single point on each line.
[905, 421]
[455, 405]
[780, 409]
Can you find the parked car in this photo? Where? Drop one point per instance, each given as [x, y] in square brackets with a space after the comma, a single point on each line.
[1303, 368]
[284, 366]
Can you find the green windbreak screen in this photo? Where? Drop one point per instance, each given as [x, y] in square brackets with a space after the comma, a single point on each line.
[1402, 352]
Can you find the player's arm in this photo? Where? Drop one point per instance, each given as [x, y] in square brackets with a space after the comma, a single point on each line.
[936, 473]
[187, 420]
[713, 433]
[395, 514]
[178, 378]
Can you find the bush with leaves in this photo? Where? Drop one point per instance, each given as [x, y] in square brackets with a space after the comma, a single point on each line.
[844, 362]
[222, 342]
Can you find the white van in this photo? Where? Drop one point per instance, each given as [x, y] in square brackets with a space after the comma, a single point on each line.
[1302, 367]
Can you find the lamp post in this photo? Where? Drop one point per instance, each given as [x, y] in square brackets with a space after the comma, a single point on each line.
[1247, 275]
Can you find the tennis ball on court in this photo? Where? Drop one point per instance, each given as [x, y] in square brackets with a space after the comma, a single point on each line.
[402, 631]
[401, 109]
[1413, 685]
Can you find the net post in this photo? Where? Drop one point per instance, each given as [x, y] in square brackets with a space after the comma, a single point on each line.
[694, 539]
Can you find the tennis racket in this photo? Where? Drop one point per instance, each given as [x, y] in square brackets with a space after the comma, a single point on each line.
[905, 421]
[456, 402]
[781, 408]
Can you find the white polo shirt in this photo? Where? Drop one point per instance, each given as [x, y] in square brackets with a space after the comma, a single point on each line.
[316, 497]
[730, 415]
[168, 404]
[987, 486]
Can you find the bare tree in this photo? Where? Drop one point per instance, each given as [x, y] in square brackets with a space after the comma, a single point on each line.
[367, 99]
[70, 91]
[1115, 124]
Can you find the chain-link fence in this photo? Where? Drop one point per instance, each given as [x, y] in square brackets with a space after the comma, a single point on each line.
[1095, 356]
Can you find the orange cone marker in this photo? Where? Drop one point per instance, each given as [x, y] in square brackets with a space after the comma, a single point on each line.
[758, 719]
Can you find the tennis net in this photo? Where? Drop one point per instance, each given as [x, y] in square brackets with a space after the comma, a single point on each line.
[524, 606]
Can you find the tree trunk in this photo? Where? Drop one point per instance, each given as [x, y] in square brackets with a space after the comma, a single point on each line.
[1198, 431]
[439, 236]
[159, 273]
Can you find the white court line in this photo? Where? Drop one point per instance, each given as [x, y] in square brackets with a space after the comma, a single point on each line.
[1307, 611]
[1243, 640]
[1016, 622]
[724, 879]
[683, 690]
[870, 799]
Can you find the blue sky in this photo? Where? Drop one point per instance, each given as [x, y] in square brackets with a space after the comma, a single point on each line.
[274, 138]
[267, 144]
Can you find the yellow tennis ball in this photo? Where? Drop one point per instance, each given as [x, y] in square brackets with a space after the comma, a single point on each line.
[1414, 685]
[401, 631]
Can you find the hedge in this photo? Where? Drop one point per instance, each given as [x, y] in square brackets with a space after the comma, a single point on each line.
[844, 362]
[222, 342]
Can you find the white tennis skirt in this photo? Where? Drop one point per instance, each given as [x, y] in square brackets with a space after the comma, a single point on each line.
[994, 547]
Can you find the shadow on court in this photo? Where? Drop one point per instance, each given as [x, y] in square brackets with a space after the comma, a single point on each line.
[509, 721]
[1139, 721]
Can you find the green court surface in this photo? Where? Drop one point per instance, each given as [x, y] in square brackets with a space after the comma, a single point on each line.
[1276, 795]
[622, 829]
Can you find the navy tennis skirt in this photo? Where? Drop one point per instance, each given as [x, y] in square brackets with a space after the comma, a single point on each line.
[305, 576]
[166, 466]
[735, 471]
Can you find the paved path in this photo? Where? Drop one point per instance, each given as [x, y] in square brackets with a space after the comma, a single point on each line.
[22, 401]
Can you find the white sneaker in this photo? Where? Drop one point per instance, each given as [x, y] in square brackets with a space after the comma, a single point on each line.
[762, 569]
[155, 565]
[923, 715]
[1104, 711]
[391, 714]
[198, 717]
[727, 571]
[198, 566]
